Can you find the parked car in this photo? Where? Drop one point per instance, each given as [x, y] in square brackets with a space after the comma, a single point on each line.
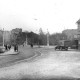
[2, 49]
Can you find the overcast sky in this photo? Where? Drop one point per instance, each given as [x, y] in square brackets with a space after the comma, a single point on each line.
[54, 15]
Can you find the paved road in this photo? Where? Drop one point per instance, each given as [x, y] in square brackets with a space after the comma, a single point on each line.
[51, 65]
[25, 53]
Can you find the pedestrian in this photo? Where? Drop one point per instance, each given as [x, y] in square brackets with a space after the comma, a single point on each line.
[6, 47]
[9, 47]
[31, 45]
[17, 48]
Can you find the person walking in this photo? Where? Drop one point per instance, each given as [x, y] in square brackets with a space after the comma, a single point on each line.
[6, 47]
[31, 45]
[9, 47]
[17, 48]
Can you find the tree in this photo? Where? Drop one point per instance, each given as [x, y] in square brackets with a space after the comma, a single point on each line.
[41, 31]
[17, 36]
[42, 37]
[55, 38]
[32, 38]
[21, 38]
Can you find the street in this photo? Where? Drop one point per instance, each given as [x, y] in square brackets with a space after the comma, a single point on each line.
[25, 52]
[49, 64]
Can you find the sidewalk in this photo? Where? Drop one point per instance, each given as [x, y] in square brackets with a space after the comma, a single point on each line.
[10, 52]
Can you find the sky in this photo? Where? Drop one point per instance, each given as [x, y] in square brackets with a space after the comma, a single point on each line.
[31, 15]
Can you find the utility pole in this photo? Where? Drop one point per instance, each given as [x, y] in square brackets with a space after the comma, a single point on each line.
[47, 38]
[26, 40]
[3, 37]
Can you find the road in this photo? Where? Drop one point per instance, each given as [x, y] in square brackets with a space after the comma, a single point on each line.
[25, 53]
[50, 65]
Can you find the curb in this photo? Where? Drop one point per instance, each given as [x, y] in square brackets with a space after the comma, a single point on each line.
[9, 53]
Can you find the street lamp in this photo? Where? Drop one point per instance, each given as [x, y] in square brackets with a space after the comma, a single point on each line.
[26, 41]
[47, 38]
[3, 37]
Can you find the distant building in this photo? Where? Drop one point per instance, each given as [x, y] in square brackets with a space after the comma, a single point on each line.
[7, 36]
[1, 37]
[78, 29]
[14, 33]
[16, 30]
[71, 33]
[78, 23]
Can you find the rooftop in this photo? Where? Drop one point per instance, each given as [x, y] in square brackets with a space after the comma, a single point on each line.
[78, 21]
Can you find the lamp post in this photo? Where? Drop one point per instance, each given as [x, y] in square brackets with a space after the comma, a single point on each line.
[47, 38]
[26, 41]
[3, 37]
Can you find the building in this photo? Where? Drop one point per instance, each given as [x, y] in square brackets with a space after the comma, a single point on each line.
[78, 29]
[15, 37]
[71, 33]
[7, 36]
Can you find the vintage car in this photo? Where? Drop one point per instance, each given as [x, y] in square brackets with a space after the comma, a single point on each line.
[61, 48]
[2, 49]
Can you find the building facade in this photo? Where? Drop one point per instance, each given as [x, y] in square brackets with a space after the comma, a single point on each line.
[78, 29]
[71, 33]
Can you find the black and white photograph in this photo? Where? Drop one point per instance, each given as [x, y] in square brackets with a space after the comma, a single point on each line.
[39, 39]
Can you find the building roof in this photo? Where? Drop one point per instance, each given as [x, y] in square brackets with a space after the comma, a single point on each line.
[78, 21]
[71, 33]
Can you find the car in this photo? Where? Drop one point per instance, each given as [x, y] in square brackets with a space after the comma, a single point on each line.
[61, 48]
[2, 49]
